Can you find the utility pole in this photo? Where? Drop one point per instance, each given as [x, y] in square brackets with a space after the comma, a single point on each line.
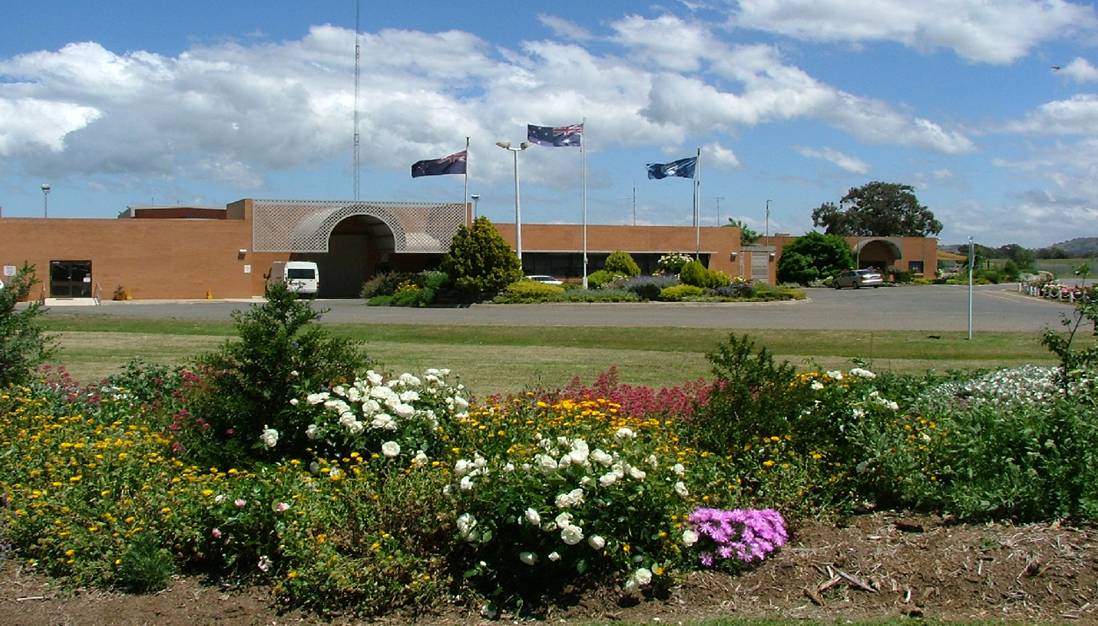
[719, 198]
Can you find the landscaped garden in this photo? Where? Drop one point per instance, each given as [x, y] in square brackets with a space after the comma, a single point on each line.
[287, 459]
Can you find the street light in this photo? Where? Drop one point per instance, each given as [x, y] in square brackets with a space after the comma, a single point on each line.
[45, 201]
[476, 198]
[506, 145]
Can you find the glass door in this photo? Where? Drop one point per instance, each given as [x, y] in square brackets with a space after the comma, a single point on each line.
[70, 279]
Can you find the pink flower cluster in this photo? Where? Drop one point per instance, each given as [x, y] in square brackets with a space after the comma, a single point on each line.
[744, 534]
[640, 400]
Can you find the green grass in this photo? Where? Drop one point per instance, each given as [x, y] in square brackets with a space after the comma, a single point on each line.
[494, 359]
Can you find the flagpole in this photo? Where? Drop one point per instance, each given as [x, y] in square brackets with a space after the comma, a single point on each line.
[466, 205]
[583, 195]
[697, 222]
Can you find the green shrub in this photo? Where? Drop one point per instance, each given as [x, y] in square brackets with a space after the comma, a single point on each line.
[600, 295]
[411, 294]
[813, 257]
[480, 262]
[621, 263]
[23, 346]
[384, 284]
[680, 292]
[380, 301]
[694, 273]
[529, 291]
[646, 287]
[598, 279]
[248, 384]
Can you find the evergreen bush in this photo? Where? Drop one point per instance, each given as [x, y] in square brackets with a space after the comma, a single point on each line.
[23, 346]
[621, 263]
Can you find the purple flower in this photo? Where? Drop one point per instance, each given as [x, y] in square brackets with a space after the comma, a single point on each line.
[745, 534]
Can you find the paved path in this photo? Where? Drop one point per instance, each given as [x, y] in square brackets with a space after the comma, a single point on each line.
[931, 308]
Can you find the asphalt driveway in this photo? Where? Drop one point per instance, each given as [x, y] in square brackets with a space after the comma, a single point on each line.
[928, 307]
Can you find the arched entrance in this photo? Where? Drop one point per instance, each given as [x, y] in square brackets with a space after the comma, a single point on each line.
[877, 253]
[359, 247]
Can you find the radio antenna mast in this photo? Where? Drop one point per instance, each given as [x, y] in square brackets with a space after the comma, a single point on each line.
[355, 165]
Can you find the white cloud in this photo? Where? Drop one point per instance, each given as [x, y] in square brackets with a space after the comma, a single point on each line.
[840, 160]
[666, 41]
[563, 28]
[1075, 116]
[1080, 70]
[28, 123]
[997, 32]
[716, 155]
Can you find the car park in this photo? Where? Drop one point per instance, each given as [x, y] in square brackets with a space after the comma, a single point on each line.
[545, 279]
[858, 278]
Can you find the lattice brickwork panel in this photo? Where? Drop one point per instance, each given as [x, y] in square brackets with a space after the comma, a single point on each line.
[306, 225]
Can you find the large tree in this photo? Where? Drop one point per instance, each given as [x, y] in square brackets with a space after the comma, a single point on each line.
[877, 209]
[814, 257]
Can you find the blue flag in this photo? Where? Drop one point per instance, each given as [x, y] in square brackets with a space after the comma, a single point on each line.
[683, 167]
[452, 164]
[558, 137]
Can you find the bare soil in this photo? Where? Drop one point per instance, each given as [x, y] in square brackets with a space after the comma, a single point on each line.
[878, 566]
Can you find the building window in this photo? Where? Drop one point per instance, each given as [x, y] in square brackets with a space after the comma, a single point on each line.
[915, 267]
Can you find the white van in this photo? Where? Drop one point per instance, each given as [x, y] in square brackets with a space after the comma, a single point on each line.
[302, 277]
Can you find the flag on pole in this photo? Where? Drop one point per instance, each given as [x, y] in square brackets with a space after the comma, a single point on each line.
[451, 164]
[682, 167]
[555, 137]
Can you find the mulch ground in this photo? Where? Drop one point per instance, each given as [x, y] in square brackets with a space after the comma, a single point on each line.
[878, 566]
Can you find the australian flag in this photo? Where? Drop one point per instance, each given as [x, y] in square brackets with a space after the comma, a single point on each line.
[452, 164]
[557, 137]
[683, 167]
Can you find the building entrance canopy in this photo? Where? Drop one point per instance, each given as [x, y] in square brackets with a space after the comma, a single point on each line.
[306, 226]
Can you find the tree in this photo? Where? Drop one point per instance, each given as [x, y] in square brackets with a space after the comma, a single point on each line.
[748, 236]
[814, 256]
[23, 347]
[877, 209]
[1022, 257]
[480, 262]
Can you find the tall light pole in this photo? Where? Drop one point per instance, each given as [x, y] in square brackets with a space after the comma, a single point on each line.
[506, 145]
[971, 261]
[719, 198]
[45, 200]
[475, 198]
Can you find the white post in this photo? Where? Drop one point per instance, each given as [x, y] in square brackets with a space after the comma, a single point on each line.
[971, 261]
[583, 179]
[518, 212]
[697, 220]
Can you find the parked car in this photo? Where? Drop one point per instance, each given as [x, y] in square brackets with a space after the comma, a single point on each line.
[858, 278]
[545, 278]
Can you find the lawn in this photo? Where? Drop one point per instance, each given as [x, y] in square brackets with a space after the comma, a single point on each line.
[494, 359]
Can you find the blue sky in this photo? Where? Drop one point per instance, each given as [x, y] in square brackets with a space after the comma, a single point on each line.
[793, 101]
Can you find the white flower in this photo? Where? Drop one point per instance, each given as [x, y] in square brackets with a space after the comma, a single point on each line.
[408, 380]
[269, 437]
[264, 563]
[652, 461]
[390, 449]
[608, 479]
[570, 499]
[579, 452]
[529, 558]
[600, 457]
[554, 556]
[404, 410]
[370, 406]
[313, 431]
[689, 537]
[420, 459]
[317, 398]
[862, 373]
[546, 463]
[563, 519]
[374, 378]
[466, 483]
[462, 467]
[533, 517]
[383, 421]
[835, 375]
[680, 488]
[596, 542]
[624, 433]
[409, 396]
[636, 473]
[356, 427]
[294, 401]
[816, 385]
[346, 419]
[510, 467]
[466, 524]
[643, 576]
[461, 403]
[571, 534]
[678, 469]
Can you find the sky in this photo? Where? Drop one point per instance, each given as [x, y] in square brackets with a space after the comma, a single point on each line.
[988, 109]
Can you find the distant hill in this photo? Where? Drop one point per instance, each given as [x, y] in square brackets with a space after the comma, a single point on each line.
[1079, 247]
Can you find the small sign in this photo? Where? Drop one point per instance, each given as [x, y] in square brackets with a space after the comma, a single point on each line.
[9, 270]
[87, 279]
[247, 268]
